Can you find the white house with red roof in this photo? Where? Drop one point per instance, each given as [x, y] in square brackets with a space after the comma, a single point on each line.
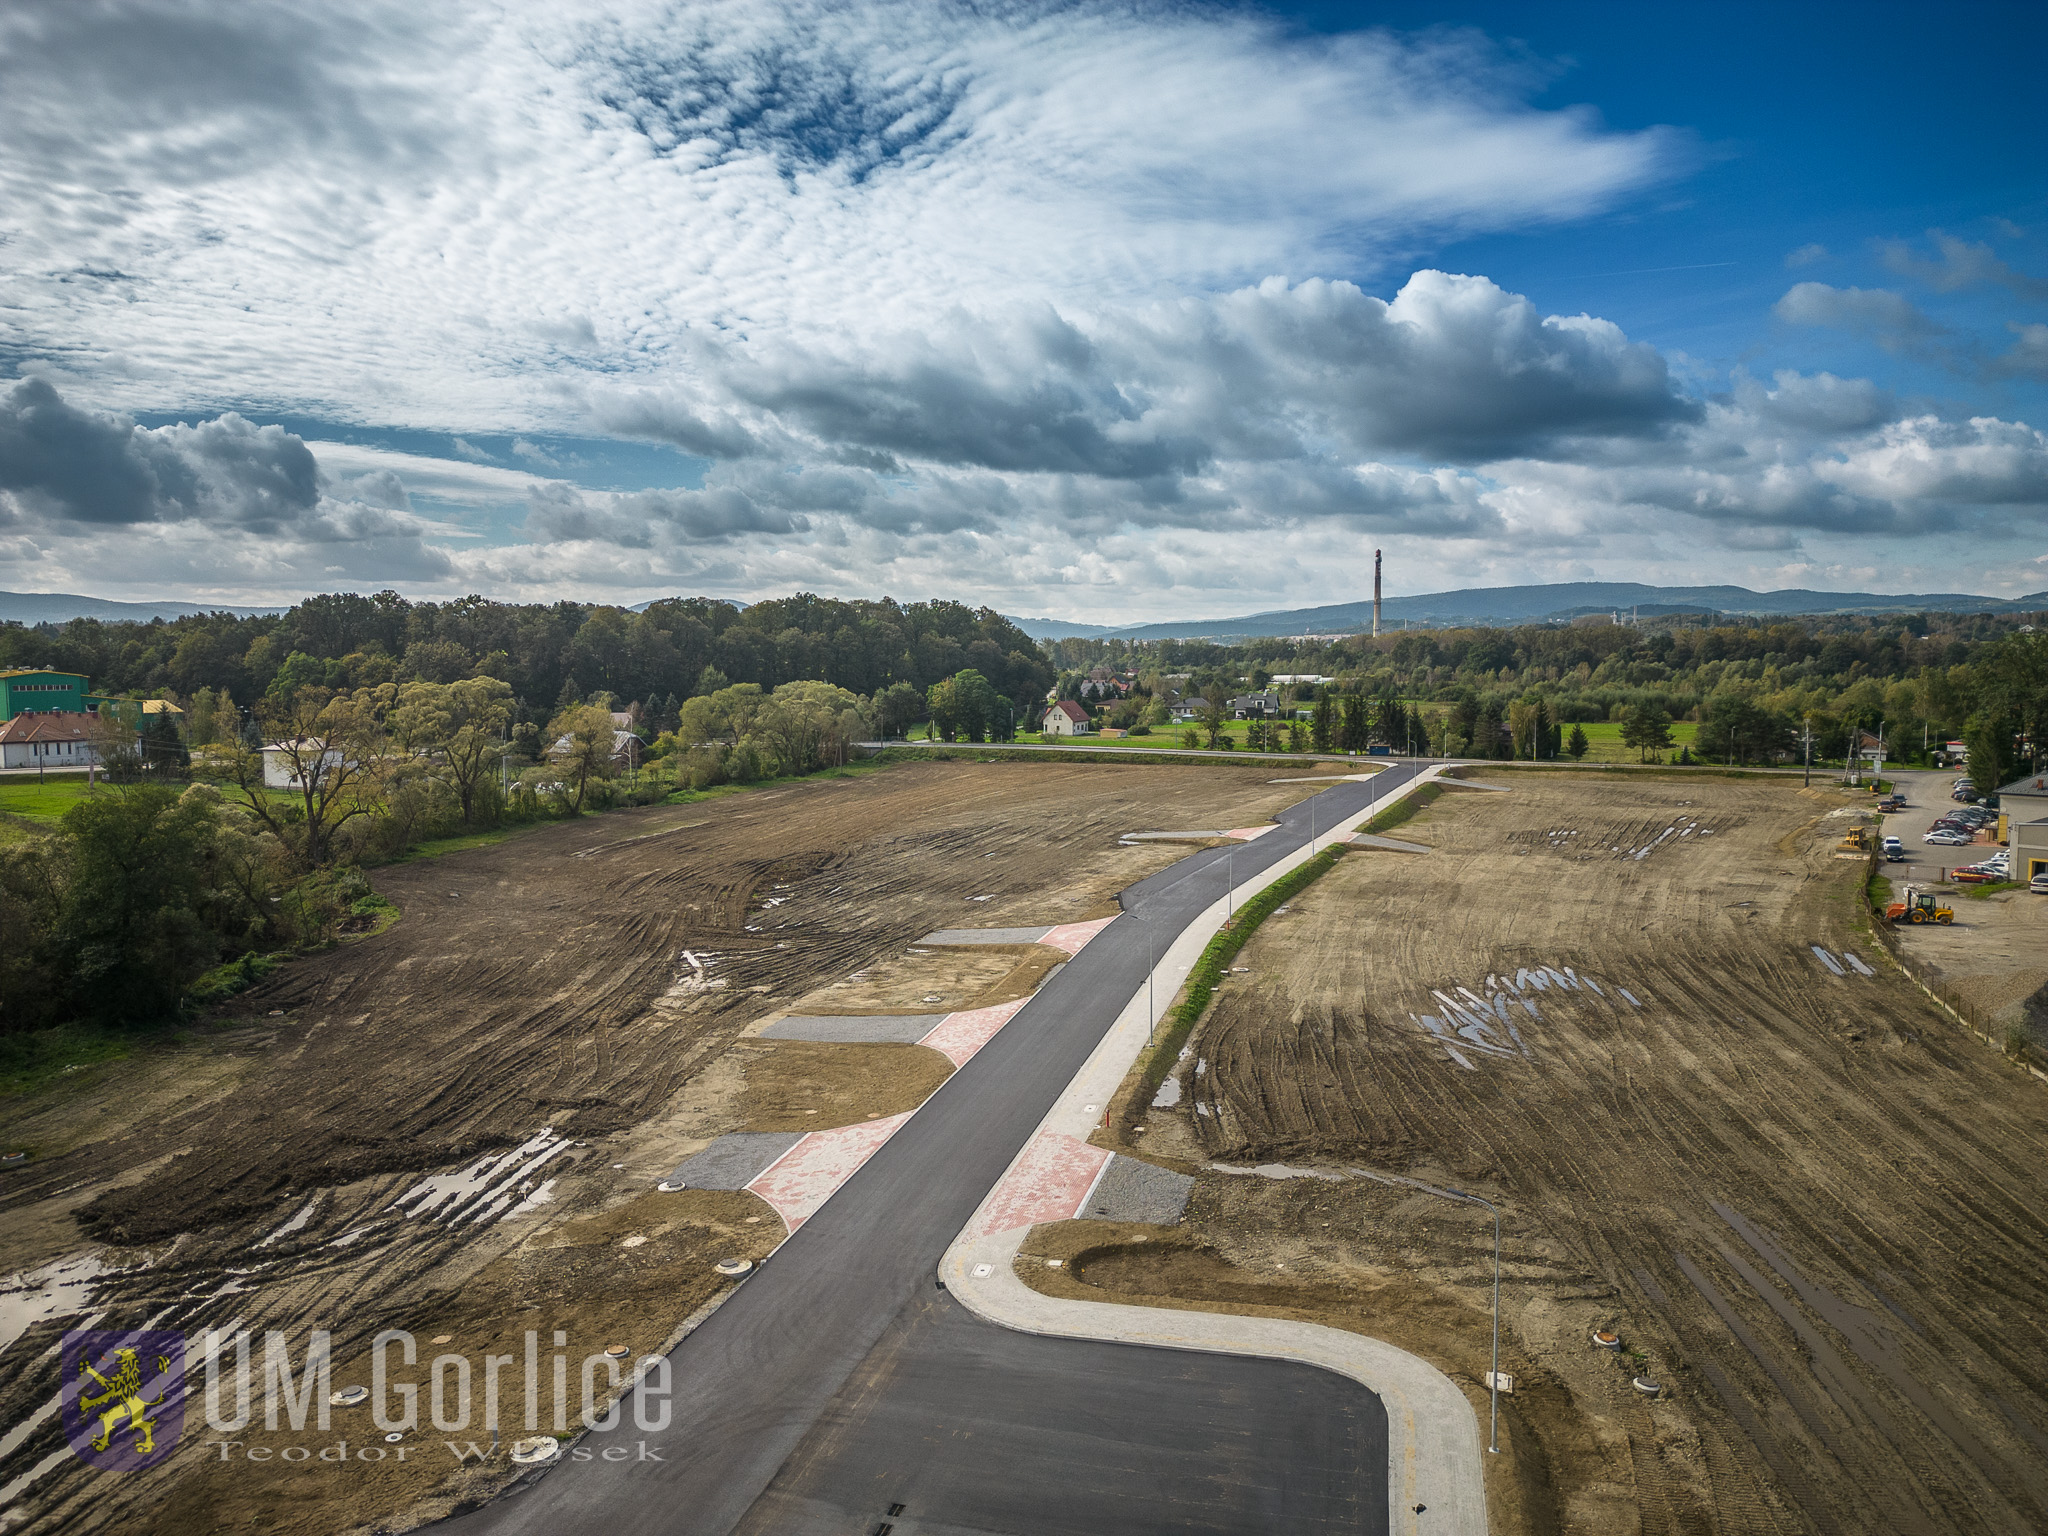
[48, 739]
[1066, 718]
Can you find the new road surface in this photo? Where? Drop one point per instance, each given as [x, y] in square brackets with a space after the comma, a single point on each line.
[840, 1390]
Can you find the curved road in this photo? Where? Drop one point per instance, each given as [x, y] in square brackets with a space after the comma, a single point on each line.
[838, 1383]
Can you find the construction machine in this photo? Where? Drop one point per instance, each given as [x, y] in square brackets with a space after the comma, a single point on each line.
[1857, 840]
[1918, 906]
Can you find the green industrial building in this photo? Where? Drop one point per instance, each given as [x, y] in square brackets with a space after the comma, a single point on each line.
[36, 688]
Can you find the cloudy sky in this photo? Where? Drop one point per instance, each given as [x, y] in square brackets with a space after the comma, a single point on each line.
[1101, 312]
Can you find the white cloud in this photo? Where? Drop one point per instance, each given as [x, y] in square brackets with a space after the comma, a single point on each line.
[393, 216]
[975, 301]
[1888, 318]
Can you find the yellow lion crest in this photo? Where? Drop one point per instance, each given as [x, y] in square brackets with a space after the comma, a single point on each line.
[124, 1391]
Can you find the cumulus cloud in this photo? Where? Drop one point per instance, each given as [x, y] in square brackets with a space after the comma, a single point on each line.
[60, 462]
[1806, 256]
[980, 300]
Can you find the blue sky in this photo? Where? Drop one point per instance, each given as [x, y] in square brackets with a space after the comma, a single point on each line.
[1097, 312]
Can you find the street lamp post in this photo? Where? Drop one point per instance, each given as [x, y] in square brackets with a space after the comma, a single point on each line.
[1493, 1383]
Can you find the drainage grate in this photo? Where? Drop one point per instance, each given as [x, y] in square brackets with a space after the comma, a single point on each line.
[895, 1509]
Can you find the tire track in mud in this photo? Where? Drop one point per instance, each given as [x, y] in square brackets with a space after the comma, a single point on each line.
[1884, 1158]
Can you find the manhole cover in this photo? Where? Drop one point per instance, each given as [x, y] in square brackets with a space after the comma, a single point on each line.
[348, 1397]
[733, 1266]
[535, 1449]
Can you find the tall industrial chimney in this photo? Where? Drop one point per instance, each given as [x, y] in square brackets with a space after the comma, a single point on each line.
[1375, 594]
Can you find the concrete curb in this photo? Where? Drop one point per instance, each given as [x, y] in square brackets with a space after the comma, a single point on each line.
[1433, 1433]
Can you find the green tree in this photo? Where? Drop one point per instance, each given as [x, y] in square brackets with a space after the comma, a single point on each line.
[897, 707]
[580, 748]
[2016, 686]
[723, 716]
[1214, 717]
[129, 925]
[1355, 732]
[808, 725]
[1321, 723]
[164, 755]
[461, 726]
[1646, 728]
[330, 751]
[1576, 743]
[1992, 761]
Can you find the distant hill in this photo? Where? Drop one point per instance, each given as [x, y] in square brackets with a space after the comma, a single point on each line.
[57, 607]
[1537, 604]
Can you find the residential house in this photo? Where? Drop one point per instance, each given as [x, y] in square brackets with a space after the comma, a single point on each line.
[48, 739]
[1255, 706]
[1066, 718]
[285, 761]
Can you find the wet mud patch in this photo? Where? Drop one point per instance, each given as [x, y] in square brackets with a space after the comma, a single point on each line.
[590, 1281]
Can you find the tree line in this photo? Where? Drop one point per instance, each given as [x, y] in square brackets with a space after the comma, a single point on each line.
[1758, 690]
[547, 654]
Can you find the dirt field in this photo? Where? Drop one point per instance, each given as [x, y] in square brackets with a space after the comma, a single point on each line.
[1812, 1209]
[598, 980]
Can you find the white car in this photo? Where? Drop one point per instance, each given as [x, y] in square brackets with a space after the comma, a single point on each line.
[1947, 839]
[2038, 886]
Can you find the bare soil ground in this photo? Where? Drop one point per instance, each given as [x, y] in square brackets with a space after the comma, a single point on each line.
[593, 978]
[1811, 1206]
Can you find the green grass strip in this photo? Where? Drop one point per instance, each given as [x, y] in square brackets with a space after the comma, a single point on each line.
[1208, 971]
[1405, 808]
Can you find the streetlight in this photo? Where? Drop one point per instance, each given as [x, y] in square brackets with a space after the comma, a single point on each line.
[1493, 1383]
[1493, 1386]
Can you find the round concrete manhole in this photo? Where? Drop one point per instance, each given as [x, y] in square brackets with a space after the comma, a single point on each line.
[394, 1437]
[535, 1449]
[1648, 1387]
[734, 1266]
[617, 1352]
[671, 1186]
[1607, 1340]
[348, 1397]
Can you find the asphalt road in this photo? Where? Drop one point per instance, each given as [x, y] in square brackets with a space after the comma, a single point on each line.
[802, 1358]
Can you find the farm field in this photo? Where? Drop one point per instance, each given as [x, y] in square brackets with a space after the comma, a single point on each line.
[598, 983]
[1807, 1203]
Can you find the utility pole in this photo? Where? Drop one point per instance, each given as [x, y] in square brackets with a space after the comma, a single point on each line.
[1808, 779]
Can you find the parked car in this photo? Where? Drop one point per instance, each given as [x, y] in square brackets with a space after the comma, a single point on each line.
[1894, 851]
[1966, 796]
[1942, 837]
[2038, 886]
[1972, 875]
